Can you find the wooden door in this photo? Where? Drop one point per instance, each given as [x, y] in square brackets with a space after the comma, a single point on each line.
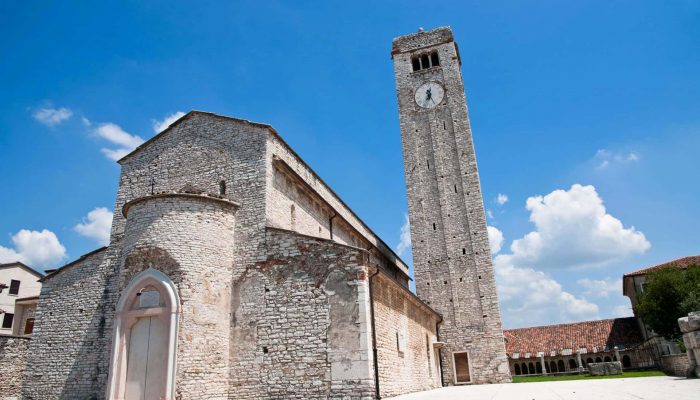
[462, 374]
[147, 360]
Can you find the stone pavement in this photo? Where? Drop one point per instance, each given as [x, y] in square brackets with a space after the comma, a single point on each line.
[651, 388]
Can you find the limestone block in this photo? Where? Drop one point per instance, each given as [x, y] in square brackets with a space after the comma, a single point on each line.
[694, 321]
[605, 368]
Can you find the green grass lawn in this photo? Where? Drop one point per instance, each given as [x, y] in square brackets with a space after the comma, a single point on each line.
[546, 378]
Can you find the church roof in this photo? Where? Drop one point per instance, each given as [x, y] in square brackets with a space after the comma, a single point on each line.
[601, 335]
[682, 263]
[387, 251]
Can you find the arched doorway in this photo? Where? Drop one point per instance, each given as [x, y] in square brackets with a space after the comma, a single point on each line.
[517, 369]
[560, 366]
[145, 339]
[626, 362]
[523, 368]
[607, 359]
[552, 366]
[598, 359]
[572, 364]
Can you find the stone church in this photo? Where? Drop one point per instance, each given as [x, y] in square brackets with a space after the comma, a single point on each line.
[235, 272]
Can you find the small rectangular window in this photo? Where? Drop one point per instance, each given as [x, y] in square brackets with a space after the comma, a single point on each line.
[7, 320]
[434, 59]
[14, 287]
[29, 326]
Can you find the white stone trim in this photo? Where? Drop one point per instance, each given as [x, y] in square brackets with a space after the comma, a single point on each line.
[454, 367]
[123, 323]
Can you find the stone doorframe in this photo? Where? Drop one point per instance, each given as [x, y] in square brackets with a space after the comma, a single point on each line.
[454, 367]
[126, 318]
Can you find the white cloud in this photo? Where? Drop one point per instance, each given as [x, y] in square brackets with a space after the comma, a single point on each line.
[50, 116]
[501, 199]
[572, 230]
[160, 126]
[600, 287]
[97, 225]
[529, 297]
[622, 311]
[113, 133]
[489, 213]
[405, 238]
[495, 239]
[604, 159]
[34, 248]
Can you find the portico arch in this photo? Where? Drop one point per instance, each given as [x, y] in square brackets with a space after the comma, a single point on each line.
[144, 348]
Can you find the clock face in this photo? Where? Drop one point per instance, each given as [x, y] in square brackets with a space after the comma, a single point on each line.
[429, 94]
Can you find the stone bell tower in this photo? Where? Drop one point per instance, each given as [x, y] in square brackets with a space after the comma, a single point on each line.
[451, 254]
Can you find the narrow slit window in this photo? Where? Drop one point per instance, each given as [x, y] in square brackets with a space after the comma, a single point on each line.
[434, 226]
[222, 188]
[428, 161]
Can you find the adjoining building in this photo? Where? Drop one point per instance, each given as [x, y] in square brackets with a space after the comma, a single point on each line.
[568, 348]
[19, 295]
[633, 284]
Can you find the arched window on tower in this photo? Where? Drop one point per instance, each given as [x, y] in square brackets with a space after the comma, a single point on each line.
[434, 60]
[425, 61]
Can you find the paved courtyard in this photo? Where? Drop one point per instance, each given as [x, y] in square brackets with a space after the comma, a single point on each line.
[651, 388]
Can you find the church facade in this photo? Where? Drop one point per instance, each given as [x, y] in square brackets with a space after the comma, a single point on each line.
[235, 272]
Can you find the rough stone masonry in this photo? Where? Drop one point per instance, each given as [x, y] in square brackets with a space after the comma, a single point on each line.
[451, 254]
[235, 272]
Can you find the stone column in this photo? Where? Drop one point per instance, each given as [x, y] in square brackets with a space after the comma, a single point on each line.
[542, 363]
[578, 359]
[690, 326]
[617, 354]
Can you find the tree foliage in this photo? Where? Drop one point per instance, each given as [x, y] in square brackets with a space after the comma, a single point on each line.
[669, 294]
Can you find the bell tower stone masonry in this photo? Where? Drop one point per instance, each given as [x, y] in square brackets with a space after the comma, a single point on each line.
[451, 254]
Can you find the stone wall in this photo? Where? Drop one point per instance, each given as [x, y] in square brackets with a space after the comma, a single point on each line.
[200, 152]
[13, 359]
[190, 238]
[68, 355]
[75, 314]
[405, 333]
[352, 230]
[675, 364]
[300, 317]
[690, 326]
[452, 260]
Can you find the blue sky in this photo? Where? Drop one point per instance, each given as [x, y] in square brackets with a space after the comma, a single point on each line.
[593, 106]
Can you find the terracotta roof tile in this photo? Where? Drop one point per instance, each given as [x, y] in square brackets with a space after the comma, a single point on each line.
[600, 334]
[682, 263]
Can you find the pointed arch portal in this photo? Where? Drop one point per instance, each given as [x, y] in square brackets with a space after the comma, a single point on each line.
[144, 348]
